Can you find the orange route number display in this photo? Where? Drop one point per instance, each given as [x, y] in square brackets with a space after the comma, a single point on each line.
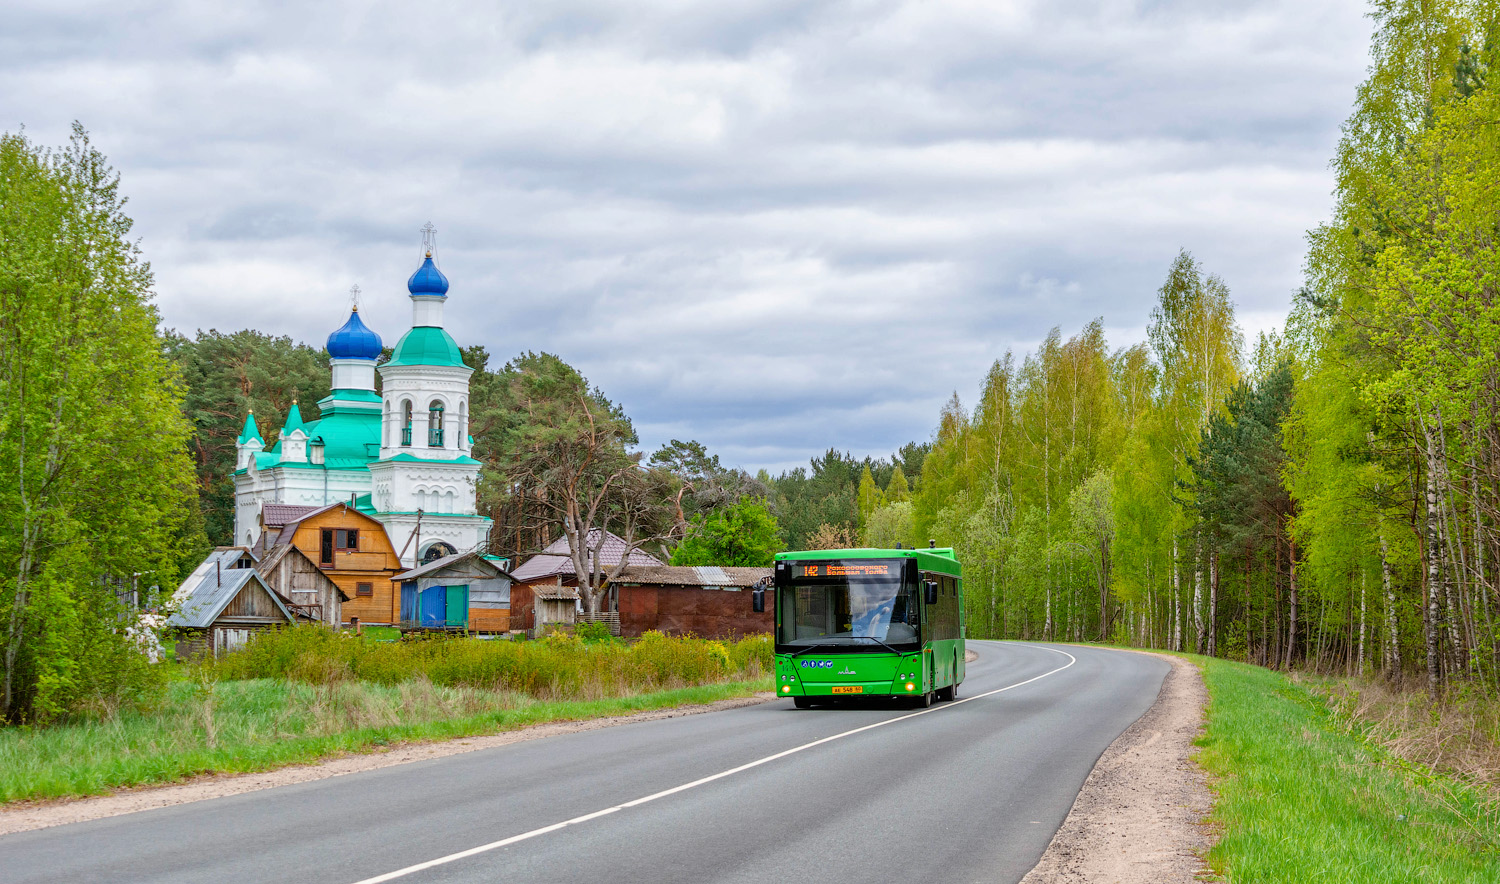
[847, 569]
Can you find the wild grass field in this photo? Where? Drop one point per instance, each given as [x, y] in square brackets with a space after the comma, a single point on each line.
[306, 694]
[1309, 792]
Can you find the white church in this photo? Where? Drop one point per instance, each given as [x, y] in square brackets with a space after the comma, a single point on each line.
[399, 455]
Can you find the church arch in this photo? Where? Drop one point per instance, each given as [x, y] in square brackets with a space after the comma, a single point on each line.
[435, 424]
[406, 423]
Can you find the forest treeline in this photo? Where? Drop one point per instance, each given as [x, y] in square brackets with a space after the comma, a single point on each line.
[1325, 498]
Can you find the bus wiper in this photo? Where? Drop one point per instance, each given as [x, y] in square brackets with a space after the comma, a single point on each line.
[878, 642]
[814, 647]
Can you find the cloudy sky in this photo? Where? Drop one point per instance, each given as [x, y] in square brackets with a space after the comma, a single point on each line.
[768, 225]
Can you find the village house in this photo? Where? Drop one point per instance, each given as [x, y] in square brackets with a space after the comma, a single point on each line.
[468, 591]
[709, 602]
[352, 550]
[309, 592]
[701, 600]
[222, 603]
[546, 585]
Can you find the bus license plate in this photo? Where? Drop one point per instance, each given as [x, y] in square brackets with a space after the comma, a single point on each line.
[849, 689]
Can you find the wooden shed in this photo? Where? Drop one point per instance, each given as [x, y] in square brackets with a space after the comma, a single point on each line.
[222, 603]
[469, 591]
[706, 601]
[553, 568]
[307, 591]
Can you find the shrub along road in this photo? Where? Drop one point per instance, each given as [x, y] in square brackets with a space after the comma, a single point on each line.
[968, 790]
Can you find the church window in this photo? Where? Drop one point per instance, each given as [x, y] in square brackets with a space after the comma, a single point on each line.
[435, 425]
[406, 423]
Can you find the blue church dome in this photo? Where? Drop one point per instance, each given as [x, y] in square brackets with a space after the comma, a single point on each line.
[354, 340]
[428, 280]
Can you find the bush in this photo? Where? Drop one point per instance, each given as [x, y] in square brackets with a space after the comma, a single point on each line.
[597, 631]
[560, 666]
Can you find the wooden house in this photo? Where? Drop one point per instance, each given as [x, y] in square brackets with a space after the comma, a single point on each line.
[309, 593]
[468, 591]
[551, 572]
[222, 603]
[352, 550]
[705, 601]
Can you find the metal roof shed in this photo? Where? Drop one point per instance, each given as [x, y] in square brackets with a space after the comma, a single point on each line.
[222, 603]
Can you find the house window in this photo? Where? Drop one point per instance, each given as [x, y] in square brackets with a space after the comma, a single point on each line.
[364, 589]
[406, 424]
[336, 538]
[435, 425]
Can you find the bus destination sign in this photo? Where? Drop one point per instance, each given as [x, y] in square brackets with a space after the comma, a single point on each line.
[847, 569]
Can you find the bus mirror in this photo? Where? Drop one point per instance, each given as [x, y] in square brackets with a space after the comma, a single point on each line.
[931, 592]
[758, 601]
[783, 574]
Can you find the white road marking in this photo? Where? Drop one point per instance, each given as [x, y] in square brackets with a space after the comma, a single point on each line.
[506, 842]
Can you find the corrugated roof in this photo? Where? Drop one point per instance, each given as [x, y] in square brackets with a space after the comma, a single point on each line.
[555, 559]
[565, 593]
[446, 561]
[212, 586]
[278, 514]
[694, 575]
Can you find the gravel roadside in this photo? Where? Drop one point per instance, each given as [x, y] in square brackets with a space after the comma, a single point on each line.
[1140, 816]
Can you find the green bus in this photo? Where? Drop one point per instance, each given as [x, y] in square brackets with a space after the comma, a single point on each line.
[868, 622]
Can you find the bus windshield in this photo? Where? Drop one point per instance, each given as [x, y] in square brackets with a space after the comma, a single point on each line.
[847, 608]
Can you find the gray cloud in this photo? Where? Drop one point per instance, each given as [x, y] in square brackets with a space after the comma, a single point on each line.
[771, 226]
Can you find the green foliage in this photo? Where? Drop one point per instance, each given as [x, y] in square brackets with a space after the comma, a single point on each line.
[96, 490]
[593, 631]
[889, 525]
[744, 534]
[227, 376]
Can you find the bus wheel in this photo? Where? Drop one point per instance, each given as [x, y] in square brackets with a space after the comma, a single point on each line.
[925, 700]
[802, 702]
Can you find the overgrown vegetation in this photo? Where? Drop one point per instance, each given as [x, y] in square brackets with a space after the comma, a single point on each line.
[561, 666]
[1305, 796]
[96, 489]
[307, 693]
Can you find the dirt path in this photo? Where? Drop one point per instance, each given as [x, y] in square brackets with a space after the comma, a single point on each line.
[1139, 818]
[23, 816]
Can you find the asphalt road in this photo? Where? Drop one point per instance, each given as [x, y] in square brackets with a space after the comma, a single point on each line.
[971, 790]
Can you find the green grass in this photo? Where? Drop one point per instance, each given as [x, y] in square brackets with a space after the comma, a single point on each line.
[1302, 799]
[306, 693]
[261, 724]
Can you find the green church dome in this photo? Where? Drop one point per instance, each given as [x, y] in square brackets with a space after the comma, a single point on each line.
[426, 345]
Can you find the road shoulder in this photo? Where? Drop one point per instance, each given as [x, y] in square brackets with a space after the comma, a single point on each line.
[26, 816]
[1139, 818]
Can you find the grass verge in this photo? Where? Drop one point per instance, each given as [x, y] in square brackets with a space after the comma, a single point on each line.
[261, 724]
[1302, 798]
